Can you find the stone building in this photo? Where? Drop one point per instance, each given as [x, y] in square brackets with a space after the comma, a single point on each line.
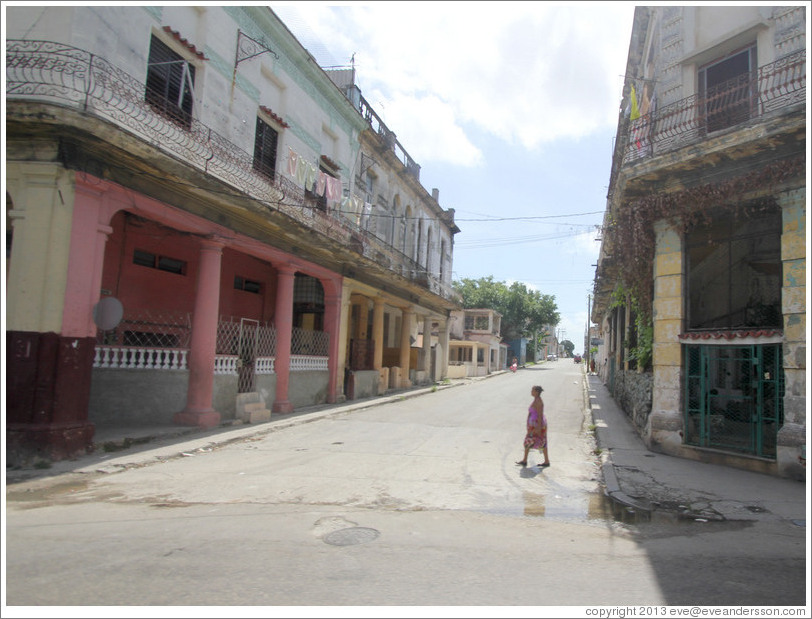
[700, 287]
[202, 227]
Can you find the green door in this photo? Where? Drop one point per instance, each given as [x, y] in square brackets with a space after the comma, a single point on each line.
[734, 397]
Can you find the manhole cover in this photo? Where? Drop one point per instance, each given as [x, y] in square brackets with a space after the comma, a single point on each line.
[351, 536]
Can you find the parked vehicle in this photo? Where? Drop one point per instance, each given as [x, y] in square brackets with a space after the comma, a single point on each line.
[577, 358]
[552, 357]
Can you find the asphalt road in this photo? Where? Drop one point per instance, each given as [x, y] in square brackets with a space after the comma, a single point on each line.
[417, 502]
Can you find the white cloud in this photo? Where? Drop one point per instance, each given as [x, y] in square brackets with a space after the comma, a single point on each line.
[526, 72]
[426, 128]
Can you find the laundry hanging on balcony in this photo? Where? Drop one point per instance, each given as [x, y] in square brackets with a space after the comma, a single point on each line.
[316, 181]
[640, 117]
[351, 208]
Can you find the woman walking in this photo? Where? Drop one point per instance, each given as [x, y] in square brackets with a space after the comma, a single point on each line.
[536, 437]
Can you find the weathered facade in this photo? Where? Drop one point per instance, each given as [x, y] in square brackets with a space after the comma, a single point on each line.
[700, 288]
[193, 236]
[475, 347]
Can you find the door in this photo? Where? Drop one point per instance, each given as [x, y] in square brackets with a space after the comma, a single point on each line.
[734, 397]
[247, 341]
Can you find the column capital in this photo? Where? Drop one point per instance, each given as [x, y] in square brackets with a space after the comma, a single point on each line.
[212, 242]
[286, 268]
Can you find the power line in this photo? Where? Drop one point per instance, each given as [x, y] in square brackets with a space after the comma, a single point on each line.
[490, 219]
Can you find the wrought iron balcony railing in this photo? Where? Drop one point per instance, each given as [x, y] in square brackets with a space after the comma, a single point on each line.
[388, 137]
[50, 72]
[735, 102]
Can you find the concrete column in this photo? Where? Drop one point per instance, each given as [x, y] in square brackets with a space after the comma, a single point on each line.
[442, 351]
[332, 326]
[283, 320]
[41, 214]
[48, 370]
[89, 236]
[791, 450]
[426, 352]
[200, 392]
[343, 338]
[405, 347]
[665, 422]
[377, 333]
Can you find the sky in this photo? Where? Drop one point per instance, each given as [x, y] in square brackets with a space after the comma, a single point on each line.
[510, 109]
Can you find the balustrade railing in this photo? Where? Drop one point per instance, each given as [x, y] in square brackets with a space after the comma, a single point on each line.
[772, 87]
[150, 340]
[64, 75]
[302, 363]
[139, 358]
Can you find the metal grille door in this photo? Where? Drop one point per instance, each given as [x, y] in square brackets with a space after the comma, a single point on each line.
[247, 351]
[734, 397]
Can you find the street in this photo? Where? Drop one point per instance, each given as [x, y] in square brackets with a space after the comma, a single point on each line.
[415, 502]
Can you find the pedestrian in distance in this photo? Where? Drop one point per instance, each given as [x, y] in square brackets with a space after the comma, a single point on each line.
[514, 365]
[536, 437]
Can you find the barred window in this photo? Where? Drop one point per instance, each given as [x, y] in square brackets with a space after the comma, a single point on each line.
[170, 83]
[265, 144]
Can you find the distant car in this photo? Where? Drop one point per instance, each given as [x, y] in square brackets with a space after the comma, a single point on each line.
[577, 358]
[552, 357]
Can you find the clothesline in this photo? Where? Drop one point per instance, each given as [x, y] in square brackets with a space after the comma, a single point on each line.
[307, 175]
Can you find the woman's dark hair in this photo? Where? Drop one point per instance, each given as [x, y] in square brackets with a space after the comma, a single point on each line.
[538, 388]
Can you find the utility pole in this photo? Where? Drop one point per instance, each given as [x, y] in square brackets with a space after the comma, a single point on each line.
[588, 342]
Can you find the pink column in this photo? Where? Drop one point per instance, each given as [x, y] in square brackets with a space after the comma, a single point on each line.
[90, 230]
[283, 320]
[332, 318]
[199, 397]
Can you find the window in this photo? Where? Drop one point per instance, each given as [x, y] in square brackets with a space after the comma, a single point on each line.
[727, 87]
[162, 263]
[734, 274]
[369, 183]
[308, 302]
[265, 144]
[170, 83]
[247, 285]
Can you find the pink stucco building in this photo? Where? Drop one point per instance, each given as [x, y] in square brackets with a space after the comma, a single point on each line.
[200, 228]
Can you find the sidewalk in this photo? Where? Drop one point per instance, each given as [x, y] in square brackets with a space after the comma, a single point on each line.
[645, 485]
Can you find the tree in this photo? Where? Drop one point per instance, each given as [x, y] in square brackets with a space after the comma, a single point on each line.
[524, 312]
[569, 347]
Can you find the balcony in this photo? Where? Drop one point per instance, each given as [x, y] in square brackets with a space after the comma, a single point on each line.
[52, 73]
[389, 138]
[736, 102]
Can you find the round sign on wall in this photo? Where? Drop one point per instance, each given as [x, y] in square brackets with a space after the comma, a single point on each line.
[107, 313]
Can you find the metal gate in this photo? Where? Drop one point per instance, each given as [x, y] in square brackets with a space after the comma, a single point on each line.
[734, 397]
[247, 344]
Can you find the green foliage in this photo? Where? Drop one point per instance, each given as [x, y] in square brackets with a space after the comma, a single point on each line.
[524, 312]
[643, 324]
[569, 347]
[631, 228]
[645, 342]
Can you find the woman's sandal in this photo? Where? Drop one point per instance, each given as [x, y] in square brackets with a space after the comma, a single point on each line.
[522, 462]
[544, 464]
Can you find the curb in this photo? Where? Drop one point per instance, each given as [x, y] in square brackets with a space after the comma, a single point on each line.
[622, 503]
